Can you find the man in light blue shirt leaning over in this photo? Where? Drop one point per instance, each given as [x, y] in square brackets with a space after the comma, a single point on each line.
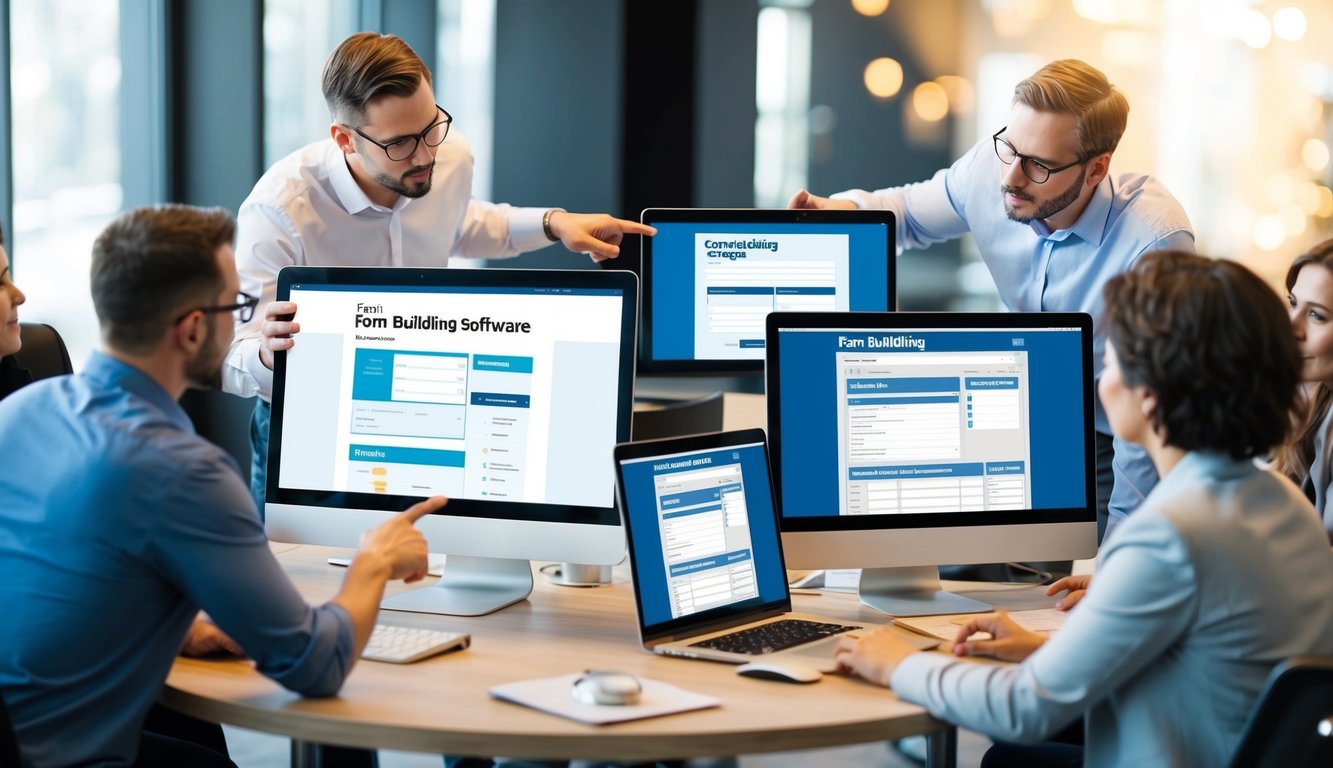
[118, 523]
[1051, 222]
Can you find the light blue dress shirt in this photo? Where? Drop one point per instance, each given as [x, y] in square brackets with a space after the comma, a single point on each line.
[1223, 573]
[117, 524]
[1036, 269]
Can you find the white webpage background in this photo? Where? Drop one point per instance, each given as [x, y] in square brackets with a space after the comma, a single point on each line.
[584, 318]
[705, 534]
[805, 261]
[937, 433]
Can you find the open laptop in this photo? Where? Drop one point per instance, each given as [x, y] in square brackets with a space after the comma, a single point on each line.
[706, 556]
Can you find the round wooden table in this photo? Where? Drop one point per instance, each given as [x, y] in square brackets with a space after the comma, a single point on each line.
[442, 705]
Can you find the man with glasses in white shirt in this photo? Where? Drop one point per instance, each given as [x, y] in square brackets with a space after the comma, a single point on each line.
[392, 186]
[1051, 222]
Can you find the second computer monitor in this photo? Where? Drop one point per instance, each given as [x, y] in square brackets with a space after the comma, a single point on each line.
[915, 439]
[711, 276]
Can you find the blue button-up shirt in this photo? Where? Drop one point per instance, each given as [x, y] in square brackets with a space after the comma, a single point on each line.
[1037, 269]
[117, 524]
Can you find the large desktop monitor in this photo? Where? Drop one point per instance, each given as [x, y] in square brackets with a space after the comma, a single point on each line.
[711, 276]
[902, 441]
[505, 390]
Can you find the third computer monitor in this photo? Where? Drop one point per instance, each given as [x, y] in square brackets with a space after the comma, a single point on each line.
[711, 276]
[902, 441]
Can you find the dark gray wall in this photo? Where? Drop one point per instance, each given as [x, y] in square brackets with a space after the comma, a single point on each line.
[557, 111]
[412, 20]
[868, 147]
[725, 104]
[217, 152]
[217, 100]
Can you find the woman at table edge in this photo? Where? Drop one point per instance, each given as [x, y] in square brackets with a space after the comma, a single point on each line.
[1220, 575]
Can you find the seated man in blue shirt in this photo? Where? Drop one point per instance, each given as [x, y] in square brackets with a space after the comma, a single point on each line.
[118, 524]
[1051, 222]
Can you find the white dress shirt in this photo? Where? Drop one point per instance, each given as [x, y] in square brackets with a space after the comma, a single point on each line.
[308, 210]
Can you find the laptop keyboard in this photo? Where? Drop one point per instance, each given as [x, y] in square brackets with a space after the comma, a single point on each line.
[773, 637]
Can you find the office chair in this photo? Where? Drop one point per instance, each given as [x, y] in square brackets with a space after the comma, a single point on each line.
[43, 352]
[685, 418]
[9, 741]
[1293, 722]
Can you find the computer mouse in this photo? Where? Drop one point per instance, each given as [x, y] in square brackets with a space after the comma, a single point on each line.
[785, 670]
[607, 687]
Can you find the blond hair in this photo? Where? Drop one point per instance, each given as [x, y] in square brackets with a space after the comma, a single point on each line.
[1073, 87]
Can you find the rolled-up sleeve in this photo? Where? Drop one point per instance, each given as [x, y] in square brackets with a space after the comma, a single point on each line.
[1142, 602]
[210, 543]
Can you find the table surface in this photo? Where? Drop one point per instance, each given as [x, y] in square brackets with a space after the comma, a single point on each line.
[442, 705]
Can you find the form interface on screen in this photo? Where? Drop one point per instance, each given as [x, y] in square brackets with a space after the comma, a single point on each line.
[933, 431]
[704, 526]
[740, 279]
[478, 395]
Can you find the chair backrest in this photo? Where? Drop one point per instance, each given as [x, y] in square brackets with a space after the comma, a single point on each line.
[674, 419]
[1293, 722]
[43, 352]
[9, 742]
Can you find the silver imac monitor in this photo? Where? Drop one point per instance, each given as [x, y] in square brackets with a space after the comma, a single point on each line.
[906, 440]
[505, 390]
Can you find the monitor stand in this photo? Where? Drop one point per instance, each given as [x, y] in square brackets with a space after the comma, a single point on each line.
[576, 574]
[913, 591]
[470, 586]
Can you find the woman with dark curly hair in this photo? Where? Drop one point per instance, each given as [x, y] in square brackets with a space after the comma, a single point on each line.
[1307, 458]
[1219, 576]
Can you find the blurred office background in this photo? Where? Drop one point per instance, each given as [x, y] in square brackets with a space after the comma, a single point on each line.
[614, 105]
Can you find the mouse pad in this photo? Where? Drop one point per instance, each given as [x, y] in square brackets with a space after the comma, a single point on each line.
[553, 696]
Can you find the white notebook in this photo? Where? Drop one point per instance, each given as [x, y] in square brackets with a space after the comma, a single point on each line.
[946, 627]
[552, 695]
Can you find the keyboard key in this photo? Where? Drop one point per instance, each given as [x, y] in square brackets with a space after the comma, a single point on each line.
[404, 645]
[775, 636]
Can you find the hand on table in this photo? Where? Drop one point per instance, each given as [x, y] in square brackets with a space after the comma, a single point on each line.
[874, 655]
[204, 638]
[1008, 641]
[1074, 587]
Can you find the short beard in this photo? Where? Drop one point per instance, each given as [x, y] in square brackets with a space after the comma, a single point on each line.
[1052, 207]
[401, 186]
[205, 370]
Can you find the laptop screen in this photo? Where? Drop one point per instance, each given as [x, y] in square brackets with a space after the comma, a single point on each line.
[702, 530]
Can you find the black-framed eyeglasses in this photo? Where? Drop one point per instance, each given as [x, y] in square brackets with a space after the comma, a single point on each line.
[1033, 168]
[401, 149]
[244, 308]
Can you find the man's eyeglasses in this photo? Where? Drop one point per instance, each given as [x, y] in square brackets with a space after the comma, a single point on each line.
[401, 149]
[244, 308]
[1033, 168]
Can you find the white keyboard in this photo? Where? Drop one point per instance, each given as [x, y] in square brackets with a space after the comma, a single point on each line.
[404, 645]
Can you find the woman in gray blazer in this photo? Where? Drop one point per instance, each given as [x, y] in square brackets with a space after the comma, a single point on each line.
[1220, 575]
[1307, 458]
